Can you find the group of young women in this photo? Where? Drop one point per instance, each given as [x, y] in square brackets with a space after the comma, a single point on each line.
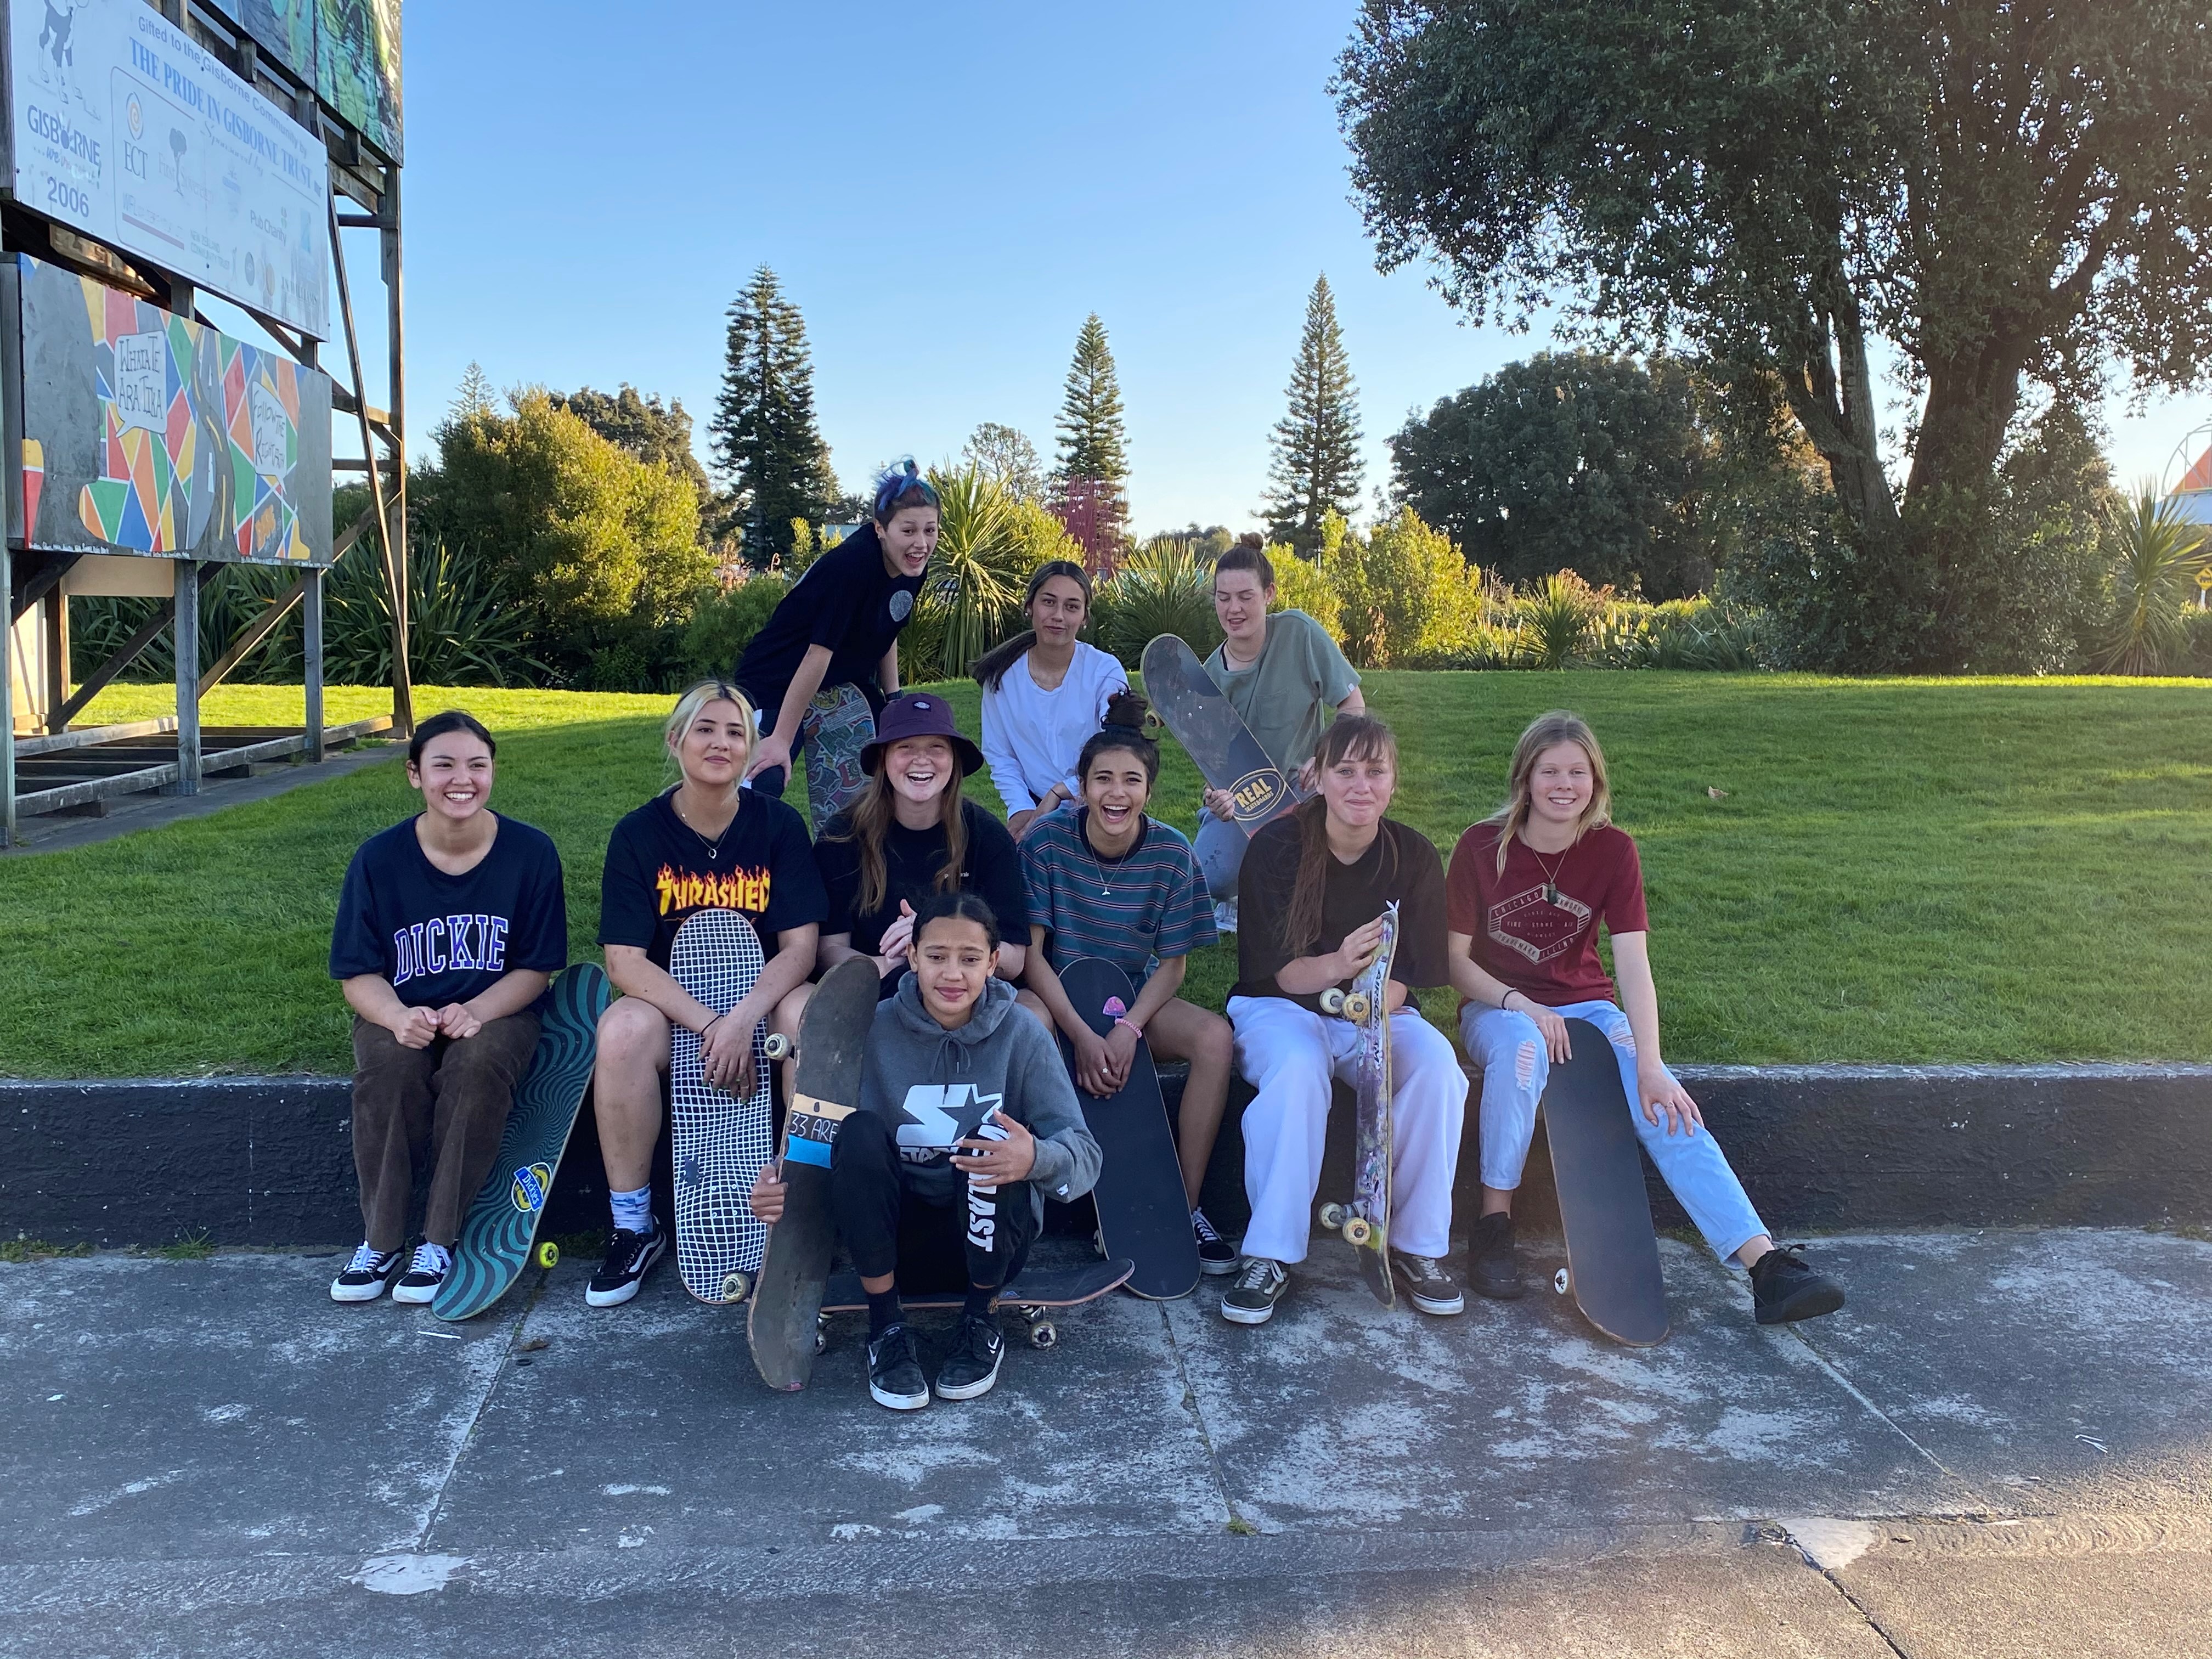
[452, 922]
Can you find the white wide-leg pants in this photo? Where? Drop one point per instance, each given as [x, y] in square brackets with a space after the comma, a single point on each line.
[1289, 1055]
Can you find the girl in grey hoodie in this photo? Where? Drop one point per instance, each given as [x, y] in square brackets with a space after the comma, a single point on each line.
[967, 1123]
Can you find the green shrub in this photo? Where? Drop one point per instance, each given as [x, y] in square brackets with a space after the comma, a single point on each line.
[1301, 585]
[1558, 621]
[2159, 554]
[725, 620]
[1163, 587]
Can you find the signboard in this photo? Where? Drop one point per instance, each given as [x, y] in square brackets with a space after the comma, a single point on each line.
[144, 433]
[123, 128]
[357, 67]
[285, 29]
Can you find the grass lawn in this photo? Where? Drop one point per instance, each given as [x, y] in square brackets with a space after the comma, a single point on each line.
[1899, 870]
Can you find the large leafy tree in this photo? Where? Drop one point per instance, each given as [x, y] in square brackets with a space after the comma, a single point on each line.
[1093, 470]
[763, 432]
[2006, 193]
[1004, 456]
[1316, 467]
[653, 431]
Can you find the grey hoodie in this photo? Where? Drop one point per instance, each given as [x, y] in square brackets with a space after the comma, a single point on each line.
[934, 1086]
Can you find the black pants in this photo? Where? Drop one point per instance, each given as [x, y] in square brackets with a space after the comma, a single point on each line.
[977, 1238]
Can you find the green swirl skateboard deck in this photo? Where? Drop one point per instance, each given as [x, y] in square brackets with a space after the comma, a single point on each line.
[502, 1224]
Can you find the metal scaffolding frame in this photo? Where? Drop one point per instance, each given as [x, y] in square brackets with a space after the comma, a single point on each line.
[365, 195]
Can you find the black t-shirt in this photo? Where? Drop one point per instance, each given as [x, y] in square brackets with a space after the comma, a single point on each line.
[845, 600]
[442, 939]
[660, 870]
[1399, 864]
[912, 859]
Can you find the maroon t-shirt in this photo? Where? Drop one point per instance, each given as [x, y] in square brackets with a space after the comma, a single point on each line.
[1543, 945]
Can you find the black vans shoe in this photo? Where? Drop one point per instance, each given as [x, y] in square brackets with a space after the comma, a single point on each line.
[630, 1256]
[425, 1274]
[367, 1275]
[973, 1368]
[1427, 1284]
[1251, 1299]
[1783, 1290]
[1216, 1254]
[1492, 1266]
[894, 1373]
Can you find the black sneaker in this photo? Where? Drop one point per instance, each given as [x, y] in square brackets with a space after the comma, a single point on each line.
[1427, 1284]
[1216, 1254]
[1492, 1266]
[1259, 1286]
[972, 1368]
[425, 1274]
[367, 1275]
[630, 1256]
[894, 1373]
[1783, 1290]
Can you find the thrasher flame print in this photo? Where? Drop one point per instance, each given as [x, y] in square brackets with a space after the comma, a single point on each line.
[684, 889]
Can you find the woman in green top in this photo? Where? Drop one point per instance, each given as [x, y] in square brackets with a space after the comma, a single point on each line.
[1281, 673]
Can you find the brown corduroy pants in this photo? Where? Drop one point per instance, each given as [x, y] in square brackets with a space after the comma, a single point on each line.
[447, 1103]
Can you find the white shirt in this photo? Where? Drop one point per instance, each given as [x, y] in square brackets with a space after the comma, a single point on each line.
[1032, 737]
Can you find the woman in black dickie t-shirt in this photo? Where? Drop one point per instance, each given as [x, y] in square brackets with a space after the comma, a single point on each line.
[707, 844]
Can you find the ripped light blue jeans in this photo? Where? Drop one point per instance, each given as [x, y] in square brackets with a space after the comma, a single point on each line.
[1510, 1048]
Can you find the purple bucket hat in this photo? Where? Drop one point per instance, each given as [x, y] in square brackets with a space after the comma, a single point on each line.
[919, 714]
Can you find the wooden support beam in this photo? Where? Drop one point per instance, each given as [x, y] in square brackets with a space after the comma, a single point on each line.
[188, 676]
[311, 630]
[55, 626]
[6, 714]
[125, 654]
[252, 633]
[391, 530]
[360, 221]
[40, 582]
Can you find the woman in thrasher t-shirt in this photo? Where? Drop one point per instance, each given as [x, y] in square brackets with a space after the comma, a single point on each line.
[1528, 887]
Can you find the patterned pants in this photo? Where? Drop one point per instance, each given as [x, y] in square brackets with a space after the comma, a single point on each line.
[837, 725]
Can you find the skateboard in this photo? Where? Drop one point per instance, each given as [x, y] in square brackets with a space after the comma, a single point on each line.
[1143, 1212]
[1612, 1254]
[1207, 723]
[1366, 1221]
[833, 1033]
[718, 1142]
[497, 1232]
[1034, 1296]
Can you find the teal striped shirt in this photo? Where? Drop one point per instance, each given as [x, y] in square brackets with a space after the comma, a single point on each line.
[1150, 903]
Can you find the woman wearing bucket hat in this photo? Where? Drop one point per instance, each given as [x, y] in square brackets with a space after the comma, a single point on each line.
[911, 834]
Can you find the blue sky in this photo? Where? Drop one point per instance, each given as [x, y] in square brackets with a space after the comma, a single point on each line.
[945, 191]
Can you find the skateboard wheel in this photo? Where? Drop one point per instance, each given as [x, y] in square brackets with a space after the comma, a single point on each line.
[1355, 1006]
[778, 1047]
[1358, 1230]
[820, 1341]
[1331, 1216]
[1332, 1000]
[1043, 1334]
[549, 1255]
[1563, 1282]
[736, 1287]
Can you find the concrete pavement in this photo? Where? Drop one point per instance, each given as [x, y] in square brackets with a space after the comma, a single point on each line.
[2003, 1447]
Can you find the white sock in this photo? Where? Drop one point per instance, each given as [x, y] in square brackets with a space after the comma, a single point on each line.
[633, 1211]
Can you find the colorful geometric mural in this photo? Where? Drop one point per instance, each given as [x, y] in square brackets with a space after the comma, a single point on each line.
[201, 446]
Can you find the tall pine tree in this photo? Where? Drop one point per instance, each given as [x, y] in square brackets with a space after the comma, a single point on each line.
[763, 432]
[1094, 450]
[1316, 467]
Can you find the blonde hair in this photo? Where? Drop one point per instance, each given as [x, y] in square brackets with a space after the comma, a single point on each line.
[696, 696]
[1548, 732]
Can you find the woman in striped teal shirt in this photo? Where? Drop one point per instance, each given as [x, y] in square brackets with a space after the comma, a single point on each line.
[1107, 881]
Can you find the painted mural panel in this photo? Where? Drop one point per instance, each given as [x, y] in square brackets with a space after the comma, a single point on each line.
[358, 67]
[285, 29]
[144, 433]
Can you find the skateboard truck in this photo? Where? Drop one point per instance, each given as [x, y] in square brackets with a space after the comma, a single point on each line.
[1356, 1229]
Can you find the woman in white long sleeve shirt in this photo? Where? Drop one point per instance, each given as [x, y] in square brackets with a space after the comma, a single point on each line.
[1044, 694]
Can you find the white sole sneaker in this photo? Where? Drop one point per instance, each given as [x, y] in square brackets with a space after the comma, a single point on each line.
[419, 1295]
[898, 1402]
[978, 1388]
[369, 1292]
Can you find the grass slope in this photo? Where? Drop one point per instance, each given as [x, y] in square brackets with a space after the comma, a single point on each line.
[1965, 870]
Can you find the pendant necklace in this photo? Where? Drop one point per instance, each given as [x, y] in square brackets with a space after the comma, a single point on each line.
[1105, 887]
[1551, 876]
[714, 847]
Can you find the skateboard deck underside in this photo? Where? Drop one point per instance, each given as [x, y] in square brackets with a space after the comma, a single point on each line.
[1214, 735]
[501, 1224]
[1059, 1289]
[833, 1034]
[1370, 1169]
[1143, 1213]
[718, 1142]
[1612, 1254]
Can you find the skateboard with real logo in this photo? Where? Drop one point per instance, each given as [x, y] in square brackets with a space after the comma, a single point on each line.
[1597, 1163]
[782, 1325]
[1207, 723]
[1143, 1212]
[718, 1142]
[1364, 1222]
[501, 1225]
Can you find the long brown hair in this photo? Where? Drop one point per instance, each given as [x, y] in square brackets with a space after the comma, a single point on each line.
[1548, 732]
[1360, 737]
[869, 820]
[991, 667]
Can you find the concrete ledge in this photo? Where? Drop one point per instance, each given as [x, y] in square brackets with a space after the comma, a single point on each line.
[268, 1160]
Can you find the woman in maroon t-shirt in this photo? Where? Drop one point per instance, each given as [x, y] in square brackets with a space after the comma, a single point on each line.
[1528, 889]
